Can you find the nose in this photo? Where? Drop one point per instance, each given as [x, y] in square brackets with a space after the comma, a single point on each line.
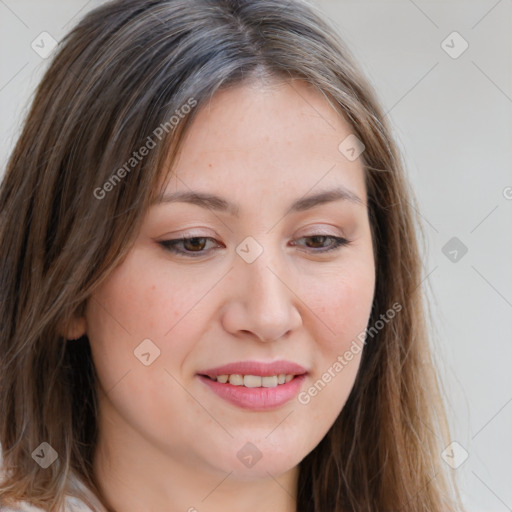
[262, 302]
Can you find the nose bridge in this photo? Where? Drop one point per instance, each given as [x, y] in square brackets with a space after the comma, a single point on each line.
[269, 306]
[261, 274]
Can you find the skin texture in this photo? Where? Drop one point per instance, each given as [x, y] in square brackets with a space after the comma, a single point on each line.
[167, 442]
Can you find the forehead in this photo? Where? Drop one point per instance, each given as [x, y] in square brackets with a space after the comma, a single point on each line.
[259, 139]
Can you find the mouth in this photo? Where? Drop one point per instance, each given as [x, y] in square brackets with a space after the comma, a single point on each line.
[252, 381]
[254, 385]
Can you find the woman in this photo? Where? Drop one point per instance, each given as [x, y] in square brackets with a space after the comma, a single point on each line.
[210, 275]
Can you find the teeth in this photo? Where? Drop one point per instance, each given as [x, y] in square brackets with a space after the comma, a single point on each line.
[236, 380]
[254, 381]
[269, 382]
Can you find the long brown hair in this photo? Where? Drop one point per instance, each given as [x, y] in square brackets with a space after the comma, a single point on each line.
[69, 214]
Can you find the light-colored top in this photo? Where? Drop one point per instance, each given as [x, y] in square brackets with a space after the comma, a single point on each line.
[72, 505]
[72, 502]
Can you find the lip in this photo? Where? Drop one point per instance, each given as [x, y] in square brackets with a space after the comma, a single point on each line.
[256, 399]
[255, 368]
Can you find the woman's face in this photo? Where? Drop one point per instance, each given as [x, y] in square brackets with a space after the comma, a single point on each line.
[264, 192]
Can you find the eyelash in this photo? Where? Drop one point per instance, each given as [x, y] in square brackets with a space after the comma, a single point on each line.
[171, 245]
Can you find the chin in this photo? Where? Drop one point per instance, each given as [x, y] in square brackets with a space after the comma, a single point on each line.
[258, 459]
[262, 470]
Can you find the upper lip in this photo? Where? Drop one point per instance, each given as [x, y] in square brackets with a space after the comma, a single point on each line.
[255, 368]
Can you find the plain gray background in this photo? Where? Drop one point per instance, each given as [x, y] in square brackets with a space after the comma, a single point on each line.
[452, 119]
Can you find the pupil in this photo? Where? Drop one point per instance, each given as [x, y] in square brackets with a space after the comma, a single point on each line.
[195, 243]
[317, 239]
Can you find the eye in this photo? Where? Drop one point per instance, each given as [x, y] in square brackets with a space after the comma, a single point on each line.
[192, 247]
[197, 245]
[317, 242]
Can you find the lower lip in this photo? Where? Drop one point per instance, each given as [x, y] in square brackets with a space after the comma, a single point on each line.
[257, 399]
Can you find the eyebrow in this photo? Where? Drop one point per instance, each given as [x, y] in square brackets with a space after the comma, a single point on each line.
[213, 202]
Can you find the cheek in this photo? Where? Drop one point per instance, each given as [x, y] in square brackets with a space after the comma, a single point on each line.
[136, 303]
[119, 317]
[342, 305]
[141, 300]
